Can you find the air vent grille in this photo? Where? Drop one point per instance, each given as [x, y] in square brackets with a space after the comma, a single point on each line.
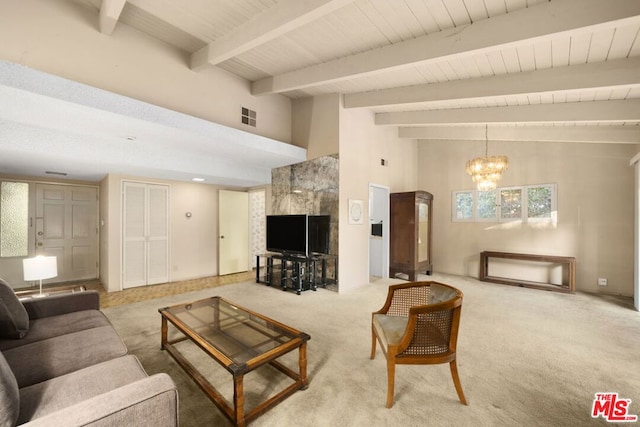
[248, 117]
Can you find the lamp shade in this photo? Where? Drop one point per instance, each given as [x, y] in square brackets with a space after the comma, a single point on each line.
[40, 267]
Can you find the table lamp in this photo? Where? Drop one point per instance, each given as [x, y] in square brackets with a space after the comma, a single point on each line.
[40, 267]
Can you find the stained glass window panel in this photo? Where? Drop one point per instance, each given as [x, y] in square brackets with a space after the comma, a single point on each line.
[14, 219]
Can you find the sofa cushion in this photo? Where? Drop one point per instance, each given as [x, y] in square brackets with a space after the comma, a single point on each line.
[50, 358]
[63, 303]
[14, 320]
[54, 326]
[9, 397]
[147, 402]
[57, 393]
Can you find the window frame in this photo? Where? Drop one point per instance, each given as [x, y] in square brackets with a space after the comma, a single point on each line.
[454, 206]
[524, 216]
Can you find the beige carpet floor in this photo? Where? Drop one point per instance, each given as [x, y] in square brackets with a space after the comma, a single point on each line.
[526, 357]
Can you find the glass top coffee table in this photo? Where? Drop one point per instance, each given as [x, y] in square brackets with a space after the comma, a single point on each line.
[240, 340]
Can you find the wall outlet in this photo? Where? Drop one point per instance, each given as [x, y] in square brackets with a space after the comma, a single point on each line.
[602, 281]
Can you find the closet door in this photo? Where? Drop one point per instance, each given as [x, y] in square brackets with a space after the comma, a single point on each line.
[157, 234]
[145, 234]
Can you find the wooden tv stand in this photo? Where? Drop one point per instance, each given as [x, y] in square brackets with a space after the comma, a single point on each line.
[568, 262]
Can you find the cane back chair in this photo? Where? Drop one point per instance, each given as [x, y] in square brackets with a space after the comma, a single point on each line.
[418, 325]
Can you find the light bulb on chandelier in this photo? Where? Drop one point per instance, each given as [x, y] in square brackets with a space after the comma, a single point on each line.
[486, 171]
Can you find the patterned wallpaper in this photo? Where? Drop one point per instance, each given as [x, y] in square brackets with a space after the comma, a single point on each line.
[257, 213]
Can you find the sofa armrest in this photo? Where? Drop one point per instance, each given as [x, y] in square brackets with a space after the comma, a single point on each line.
[54, 305]
[152, 402]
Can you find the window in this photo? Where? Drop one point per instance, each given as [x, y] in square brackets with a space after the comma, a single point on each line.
[510, 203]
[463, 205]
[532, 203]
[14, 219]
[540, 202]
[486, 207]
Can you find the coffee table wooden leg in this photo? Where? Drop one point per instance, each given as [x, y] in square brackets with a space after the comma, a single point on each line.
[164, 333]
[303, 365]
[238, 399]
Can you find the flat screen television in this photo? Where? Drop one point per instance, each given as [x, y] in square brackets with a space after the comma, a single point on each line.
[318, 234]
[298, 234]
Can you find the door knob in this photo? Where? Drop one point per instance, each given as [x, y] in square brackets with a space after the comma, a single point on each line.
[39, 243]
[40, 233]
[222, 237]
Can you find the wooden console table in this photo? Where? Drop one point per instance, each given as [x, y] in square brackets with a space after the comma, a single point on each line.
[568, 262]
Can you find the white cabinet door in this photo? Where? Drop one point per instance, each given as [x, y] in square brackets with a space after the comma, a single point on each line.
[157, 234]
[145, 229]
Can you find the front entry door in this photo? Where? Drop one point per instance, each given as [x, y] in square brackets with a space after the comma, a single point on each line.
[233, 229]
[67, 227]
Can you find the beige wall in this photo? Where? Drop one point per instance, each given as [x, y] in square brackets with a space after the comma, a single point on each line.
[193, 241]
[362, 145]
[595, 208]
[315, 125]
[322, 126]
[61, 37]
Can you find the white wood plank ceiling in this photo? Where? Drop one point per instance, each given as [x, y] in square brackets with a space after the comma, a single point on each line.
[565, 70]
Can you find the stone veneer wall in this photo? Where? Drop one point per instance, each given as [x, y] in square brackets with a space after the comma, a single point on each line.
[309, 187]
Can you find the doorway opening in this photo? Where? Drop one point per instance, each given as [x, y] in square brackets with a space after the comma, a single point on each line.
[379, 231]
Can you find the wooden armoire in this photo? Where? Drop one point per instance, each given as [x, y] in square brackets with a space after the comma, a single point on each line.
[410, 233]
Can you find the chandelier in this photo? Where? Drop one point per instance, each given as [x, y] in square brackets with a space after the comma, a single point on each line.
[486, 171]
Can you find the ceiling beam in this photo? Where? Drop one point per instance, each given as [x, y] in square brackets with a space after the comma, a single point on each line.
[110, 11]
[584, 76]
[286, 16]
[592, 134]
[600, 111]
[537, 23]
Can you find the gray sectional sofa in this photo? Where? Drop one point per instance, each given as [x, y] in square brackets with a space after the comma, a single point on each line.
[63, 364]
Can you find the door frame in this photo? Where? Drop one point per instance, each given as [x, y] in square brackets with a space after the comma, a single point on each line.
[384, 204]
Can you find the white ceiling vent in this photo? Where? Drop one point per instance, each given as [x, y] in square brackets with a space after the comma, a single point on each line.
[248, 117]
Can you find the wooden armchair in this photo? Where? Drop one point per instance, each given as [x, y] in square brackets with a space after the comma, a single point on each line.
[418, 325]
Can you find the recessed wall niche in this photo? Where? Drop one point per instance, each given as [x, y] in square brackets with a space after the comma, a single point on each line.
[309, 187]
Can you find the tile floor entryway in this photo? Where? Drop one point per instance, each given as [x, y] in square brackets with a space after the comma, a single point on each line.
[144, 293]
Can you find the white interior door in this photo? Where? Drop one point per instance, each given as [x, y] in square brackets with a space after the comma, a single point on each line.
[67, 227]
[145, 225]
[233, 229]
[134, 248]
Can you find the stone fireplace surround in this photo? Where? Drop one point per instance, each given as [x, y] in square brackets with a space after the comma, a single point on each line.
[309, 187]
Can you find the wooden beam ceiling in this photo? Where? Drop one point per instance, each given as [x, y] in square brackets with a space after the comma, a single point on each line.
[286, 16]
[608, 74]
[595, 111]
[582, 134]
[547, 20]
[110, 11]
